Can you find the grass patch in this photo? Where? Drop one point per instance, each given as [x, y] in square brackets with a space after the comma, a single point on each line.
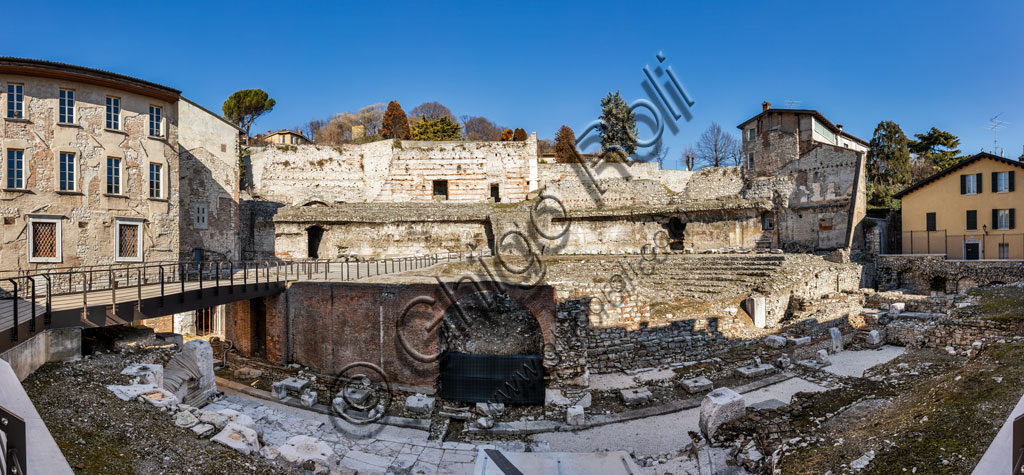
[1000, 304]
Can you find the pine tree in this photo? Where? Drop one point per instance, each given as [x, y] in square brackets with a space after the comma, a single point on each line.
[519, 135]
[565, 146]
[395, 124]
[618, 128]
[443, 128]
[888, 163]
[937, 148]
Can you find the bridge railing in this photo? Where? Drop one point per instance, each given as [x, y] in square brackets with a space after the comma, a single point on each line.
[37, 290]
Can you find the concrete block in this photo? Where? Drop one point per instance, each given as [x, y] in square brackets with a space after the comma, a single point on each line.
[355, 396]
[203, 430]
[783, 362]
[635, 397]
[282, 388]
[239, 438]
[696, 385]
[185, 419]
[754, 370]
[420, 404]
[159, 397]
[490, 409]
[147, 373]
[874, 338]
[897, 308]
[799, 341]
[303, 450]
[755, 305]
[775, 341]
[574, 416]
[837, 339]
[822, 357]
[718, 407]
[248, 373]
[308, 398]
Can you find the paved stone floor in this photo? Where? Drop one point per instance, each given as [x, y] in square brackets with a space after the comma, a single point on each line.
[366, 449]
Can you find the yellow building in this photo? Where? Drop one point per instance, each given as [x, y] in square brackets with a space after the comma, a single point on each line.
[967, 211]
[287, 137]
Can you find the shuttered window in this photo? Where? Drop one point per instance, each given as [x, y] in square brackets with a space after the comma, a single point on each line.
[930, 219]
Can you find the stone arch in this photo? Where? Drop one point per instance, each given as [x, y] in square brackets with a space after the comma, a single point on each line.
[491, 323]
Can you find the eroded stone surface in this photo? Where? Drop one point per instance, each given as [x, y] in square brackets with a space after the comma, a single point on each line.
[718, 407]
[238, 437]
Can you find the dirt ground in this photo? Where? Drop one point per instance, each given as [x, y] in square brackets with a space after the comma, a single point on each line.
[99, 433]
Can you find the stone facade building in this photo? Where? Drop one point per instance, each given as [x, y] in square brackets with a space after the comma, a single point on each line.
[101, 168]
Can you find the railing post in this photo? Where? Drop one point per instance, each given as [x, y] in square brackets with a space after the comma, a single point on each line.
[357, 269]
[183, 276]
[911, 242]
[47, 319]
[231, 276]
[14, 329]
[327, 270]
[32, 312]
[216, 280]
[245, 276]
[161, 269]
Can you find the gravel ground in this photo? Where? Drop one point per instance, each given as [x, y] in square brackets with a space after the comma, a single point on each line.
[102, 434]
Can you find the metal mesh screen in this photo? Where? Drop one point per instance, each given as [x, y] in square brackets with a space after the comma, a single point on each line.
[508, 379]
[128, 240]
[44, 239]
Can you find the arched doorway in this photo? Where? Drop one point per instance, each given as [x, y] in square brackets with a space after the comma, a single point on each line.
[314, 238]
[492, 349]
[676, 229]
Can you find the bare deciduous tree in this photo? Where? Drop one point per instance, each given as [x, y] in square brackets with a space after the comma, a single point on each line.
[371, 117]
[480, 128]
[659, 152]
[688, 159]
[312, 128]
[718, 148]
[431, 110]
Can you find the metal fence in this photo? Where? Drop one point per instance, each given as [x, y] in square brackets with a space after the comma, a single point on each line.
[39, 287]
[15, 449]
[982, 245]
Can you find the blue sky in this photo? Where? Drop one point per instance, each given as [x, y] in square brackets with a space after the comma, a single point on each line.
[951, 65]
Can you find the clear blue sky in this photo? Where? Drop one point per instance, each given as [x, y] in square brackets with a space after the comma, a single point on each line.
[952, 65]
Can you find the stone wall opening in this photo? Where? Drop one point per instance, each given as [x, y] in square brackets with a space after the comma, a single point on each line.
[314, 239]
[491, 323]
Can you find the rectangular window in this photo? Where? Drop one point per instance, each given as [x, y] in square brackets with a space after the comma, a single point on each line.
[113, 113]
[970, 184]
[200, 216]
[972, 220]
[930, 220]
[44, 240]
[128, 240]
[1004, 250]
[750, 160]
[751, 132]
[154, 121]
[1001, 220]
[66, 111]
[440, 190]
[155, 183]
[767, 223]
[67, 171]
[1001, 182]
[113, 176]
[16, 101]
[16, 169]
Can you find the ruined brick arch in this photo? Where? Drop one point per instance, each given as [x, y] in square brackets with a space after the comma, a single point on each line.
[539, 300]
[315, 203]
[490, 323]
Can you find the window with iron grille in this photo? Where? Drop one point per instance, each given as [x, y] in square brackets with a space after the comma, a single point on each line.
[199, 216]
[1004, 250]
[154, 121]
[16, 101]
[129, 241]
[44, 240]
[67, 171]
[66, 111]
[16, 169]
[113, 176]
[155, 183]
[113, 113]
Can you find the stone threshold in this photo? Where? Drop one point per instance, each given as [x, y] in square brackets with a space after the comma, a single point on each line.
[406, 422]
[536, 427]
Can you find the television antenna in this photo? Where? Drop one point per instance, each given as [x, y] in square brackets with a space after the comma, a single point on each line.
[790, 103]
[995, 123]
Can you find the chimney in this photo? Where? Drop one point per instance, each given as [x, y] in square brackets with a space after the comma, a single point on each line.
[1021, 158]
[765, 106]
